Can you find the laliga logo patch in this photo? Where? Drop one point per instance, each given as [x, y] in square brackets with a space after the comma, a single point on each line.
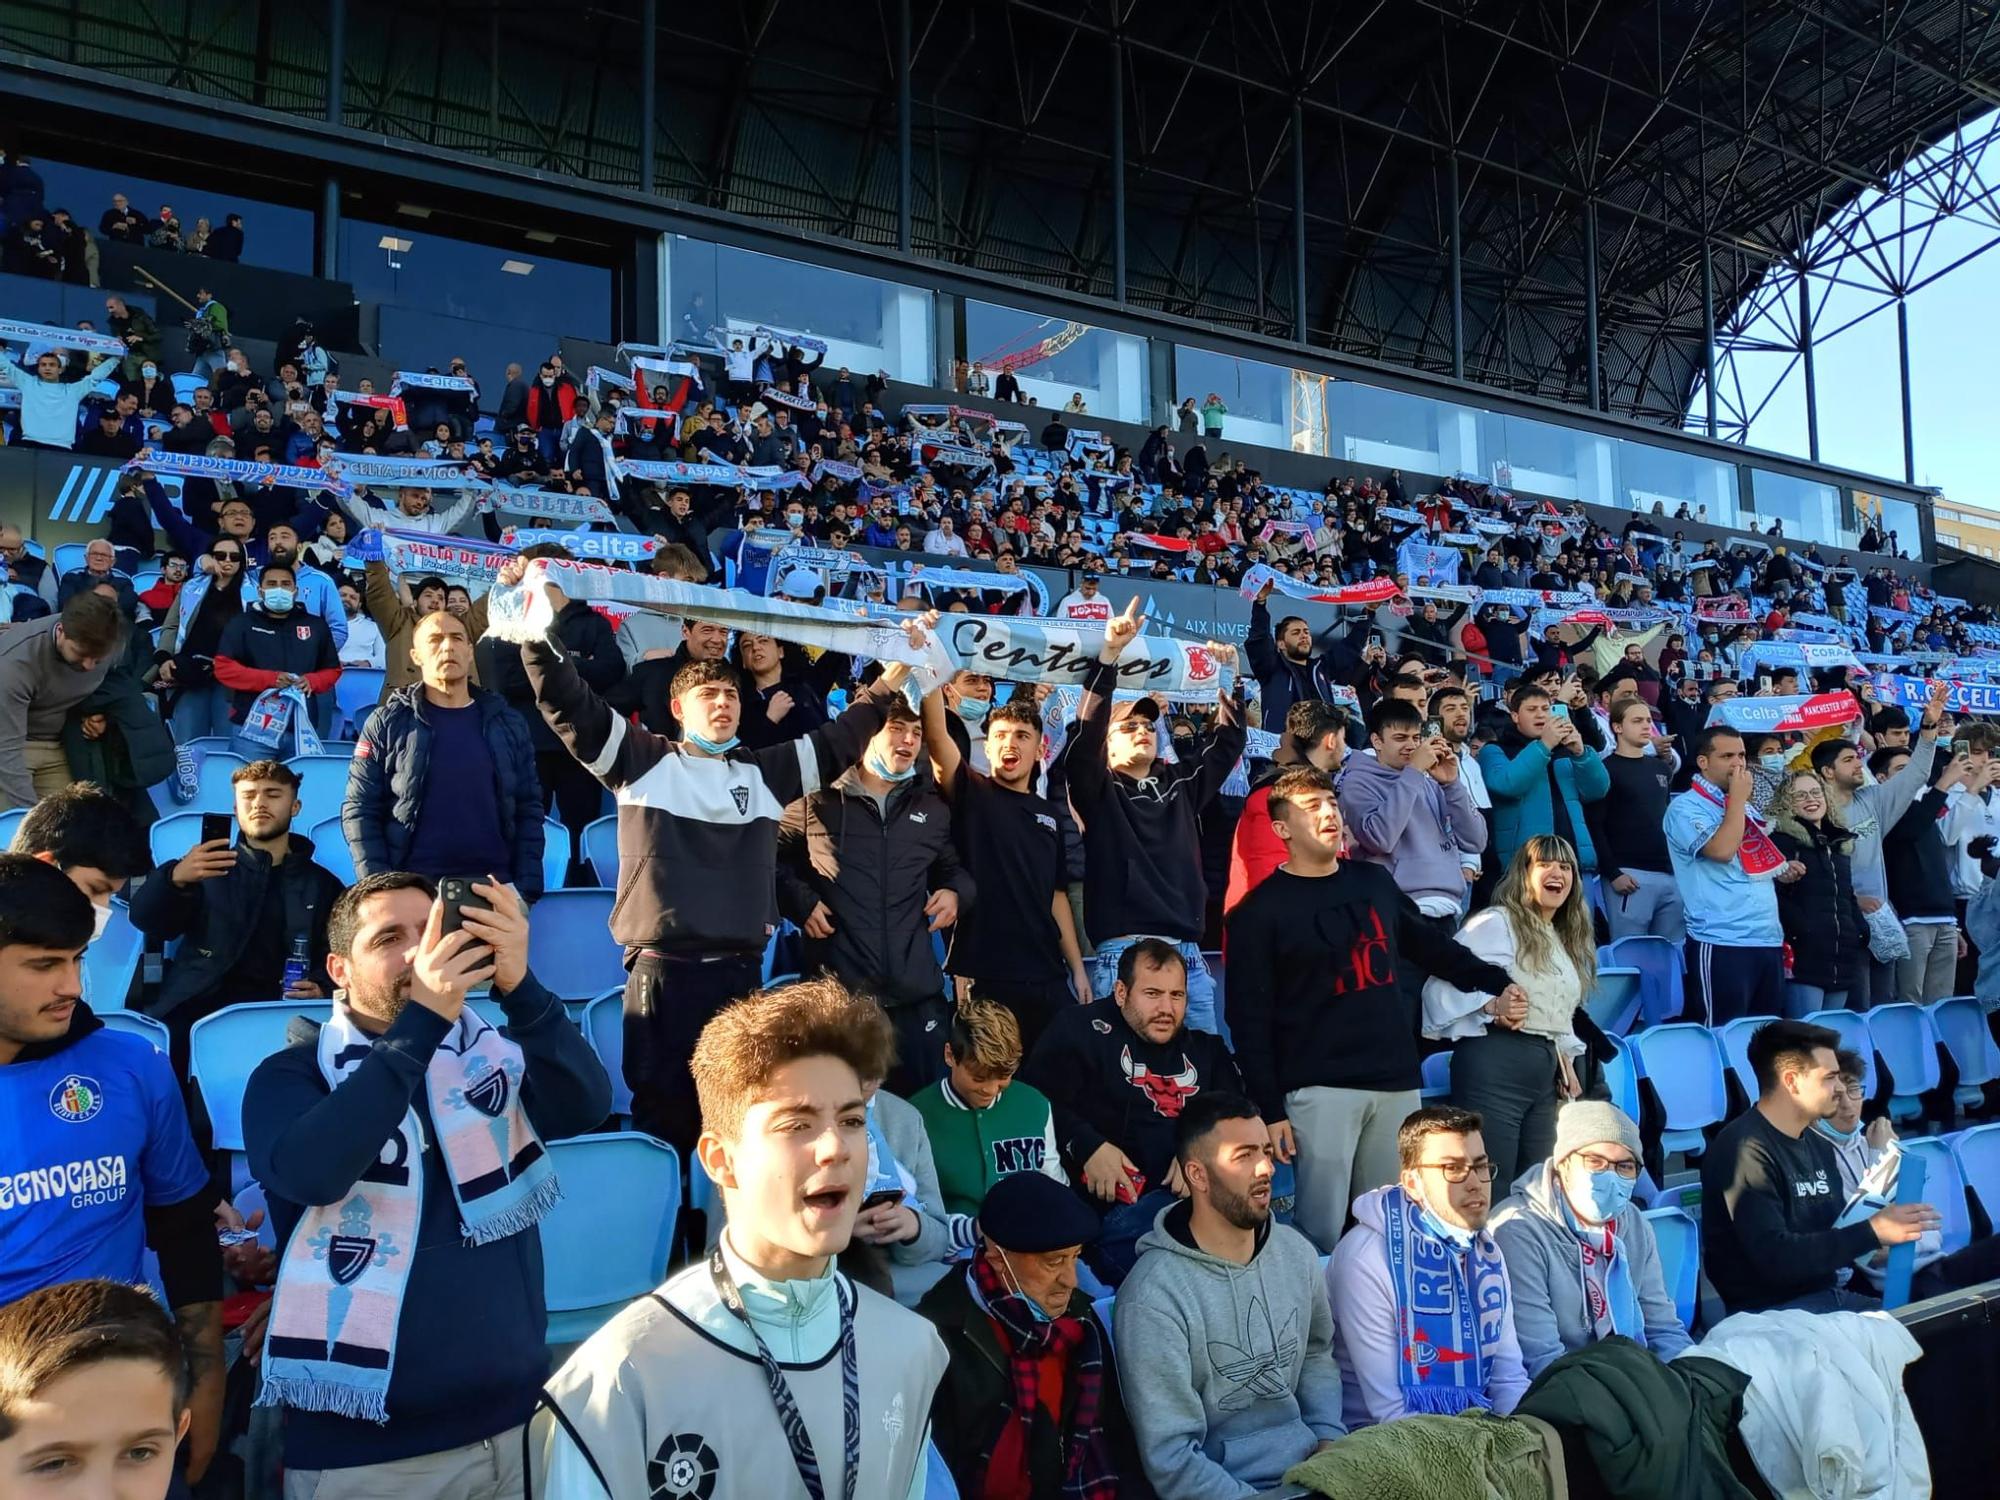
[683, 1467]
[76, 1100]
[1201, 664]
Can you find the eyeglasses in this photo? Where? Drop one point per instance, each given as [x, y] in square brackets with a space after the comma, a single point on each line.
[1592, 1162]
[1458, 1171]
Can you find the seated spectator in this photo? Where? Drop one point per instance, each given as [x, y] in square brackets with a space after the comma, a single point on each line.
[683, 1386]
[867, 869]
[1016, 1328]
[49, 397]
[1770, 1187]
[1539, 774]
[902, 1220]
[277, 644]
[404, 1403]
[1118, 1074]
[100, 565]
[1227, 1318]
[93, 1390]
[47, 667]
[104, 1108]
[1582, 1263]
[981, 1124]
[251, 915]
[482, 813]
[1423, 1314]
[107, 437]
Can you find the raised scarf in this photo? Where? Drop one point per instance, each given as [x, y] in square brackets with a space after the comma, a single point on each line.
[1088, 1473]
[1757, 855]
[1450, 1304]
[332, 1339]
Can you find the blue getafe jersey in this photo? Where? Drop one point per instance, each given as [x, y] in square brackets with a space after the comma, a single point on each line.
[89, 1139]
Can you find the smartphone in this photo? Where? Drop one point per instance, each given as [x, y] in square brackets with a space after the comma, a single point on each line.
[1763, 683]
[216, 826]
[456, 892]
[1375, 642]
[1433, 728]
[1559, 710]
[1134, 1186]
[880, 1197]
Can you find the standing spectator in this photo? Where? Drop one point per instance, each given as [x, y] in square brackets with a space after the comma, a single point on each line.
[1084, 602]
[141, 335]
[1227, 1317]
[1284, 664]
[1919, 863]
[1822, 918]
[1214, 412]
[123, 222]
[384, 1392]
[1641, 896]
[49, 398]
[47, 667]
[314, 589]
[1423, 1315]
[1142, 871]
[101, 1111]
[983, 1126]
[398, 606]
[208, 334]
[167, 230]
[1539, 774]
[867, 869]
[782, 700]
[483, 811]
[192, 632]
[590, 459]
[1975, 813]
[513, 402]
[1325, 1031]
[413, 511]
[1315, 735]
[1726, 864]
[551, 403]
[251, 916]
[226, 243]
[1407, 808]
[273, 644]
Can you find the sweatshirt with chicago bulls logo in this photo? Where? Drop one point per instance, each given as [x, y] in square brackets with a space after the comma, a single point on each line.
[1106, 1082]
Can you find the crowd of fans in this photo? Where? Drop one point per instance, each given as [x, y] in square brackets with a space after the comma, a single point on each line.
[1103, 994]
[52, 244]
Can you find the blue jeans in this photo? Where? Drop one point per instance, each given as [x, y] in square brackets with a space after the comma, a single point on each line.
[1802, 1000]
[1200, 983]
[1117, 1244]
[548, 442]
[201, 711]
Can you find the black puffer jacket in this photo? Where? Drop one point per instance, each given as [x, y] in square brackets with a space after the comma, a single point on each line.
[874, 872]
[1822, 920]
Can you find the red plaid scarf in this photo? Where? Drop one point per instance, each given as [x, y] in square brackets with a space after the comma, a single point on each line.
[1088, 1474]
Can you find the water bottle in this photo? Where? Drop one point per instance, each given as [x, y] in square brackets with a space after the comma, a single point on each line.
[295, 964]
[836, 702]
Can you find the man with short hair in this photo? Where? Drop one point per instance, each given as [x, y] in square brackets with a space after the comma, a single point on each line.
[1641, 895]
[398, 606]
[47, 667]
[1118, 1073]
[92, 838]
[1282, 661]
[251, 916]
[1315, 735]
[1423, 1313]
[49, 400]
[1326, 1029]
[1771, 1187]
[1015, 1311]
[101, 1164]
[443, 780]
[1727, 867]
[317, 592]
[1227, 1317]
[1540, 774]
[1085, 602]
[400, 1146]
[273, 644]
[685, 1390]
[1406, 807]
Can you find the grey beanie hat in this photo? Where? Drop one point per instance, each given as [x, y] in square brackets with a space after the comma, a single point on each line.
[1590, 1120]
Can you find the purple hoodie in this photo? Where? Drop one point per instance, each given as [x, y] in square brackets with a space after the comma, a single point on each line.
[1399, 819]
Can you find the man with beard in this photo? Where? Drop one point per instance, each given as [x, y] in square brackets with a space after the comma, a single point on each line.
[316, 591]
[1283, 662]
[1227, 1316]
[1315, 735]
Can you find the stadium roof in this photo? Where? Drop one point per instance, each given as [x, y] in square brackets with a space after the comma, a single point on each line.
[1652, 128]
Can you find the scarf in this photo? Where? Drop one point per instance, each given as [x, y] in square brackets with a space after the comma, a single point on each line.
[1618, 1298]
[1756, 855]
[1449, 1306]
[1088, 1473]
[338, 1308]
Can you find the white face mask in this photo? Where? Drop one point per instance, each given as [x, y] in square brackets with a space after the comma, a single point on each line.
[100, 919]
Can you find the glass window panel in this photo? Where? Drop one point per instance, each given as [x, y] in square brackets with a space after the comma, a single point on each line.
[1649, 476]
[1559, 462]
[281, 238]
[868, 325]
[1259, 398]
[1900, 517]
[1808, 509]
[1055, 360]
[404, 265]
[1390, 430]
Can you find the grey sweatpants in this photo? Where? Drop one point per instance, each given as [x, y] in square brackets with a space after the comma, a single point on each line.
[1926, 975]
[1653, 910]
[1347, 1145]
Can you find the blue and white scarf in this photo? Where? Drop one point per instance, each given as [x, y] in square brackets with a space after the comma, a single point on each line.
[331, 1344]
[1451, 1303]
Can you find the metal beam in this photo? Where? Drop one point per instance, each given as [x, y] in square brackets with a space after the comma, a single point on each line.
[1298, 221]
[1708, 332]
[649, 87]
[1590, 303]
[905, 169]
[336, 60]
[1457, 279]
[1806, 353]
[1118, 166]
[1903, 369]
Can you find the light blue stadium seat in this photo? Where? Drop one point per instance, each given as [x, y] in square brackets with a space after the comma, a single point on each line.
[1960, 1022]
[1944, 1188]
[214, 792]
[555, 854]
[174, 835]
[600, 850]
[1614, 1005]
[111, 962]
[225, 1048]
[1908, 1043]
[138, 1025]
[1978, 1153]
[331, 850]
[186, 383]
[570, 947]
[10, 824]
[1735, 1039]
[1685, 1064]
[68, 557]
[355, 694]
[1621, 1076]
[1661, 968]
[1679, 1239]
[604, 1029]
[322, 784]
[1437, 1076]
[606, 1241]
[1852, 1026]
[1104, 1307]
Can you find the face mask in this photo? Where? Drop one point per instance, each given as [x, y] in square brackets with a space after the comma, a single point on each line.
[1035, 1310]
[1833, 1133]
[149, 371]
[713, 747]
[973, 710]
[278, 601]
[881, 768]
[794, 519]
[1606, 1192]
[1452, 1234]
[100, 918]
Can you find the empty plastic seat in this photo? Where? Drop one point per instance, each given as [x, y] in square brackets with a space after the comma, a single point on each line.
[1679, 1239]
[1661, 971]
[570, 947]
[555, 854]
[1908, 1043]
[322, 784]
[175, 835]
[355, 694]
[1621, 1076]
[145, 1026]
[1960, 1023]
[606, 1241]
[1978, 1153]
[225, 1048]
[1852, 1026]
[10, 824]
[1944, 1188]
[331, 849]
[1616, 1001]
[214, 791]
[68, 557]
[1685, 1064]
[600, 850]
[604, 1029]
[1735, 1039]
[1437, 1076]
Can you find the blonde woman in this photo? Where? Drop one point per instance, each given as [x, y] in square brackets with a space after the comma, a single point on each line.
[1823, 924]
[1516, 1064]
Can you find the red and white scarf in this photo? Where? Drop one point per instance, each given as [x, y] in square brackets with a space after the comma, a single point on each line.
[1756, 854]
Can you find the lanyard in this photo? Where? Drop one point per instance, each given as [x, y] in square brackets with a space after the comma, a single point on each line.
[803, 1457]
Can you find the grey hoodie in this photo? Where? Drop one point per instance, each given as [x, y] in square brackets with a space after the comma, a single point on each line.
[1545, 1271]
[1423, 831]
[1875, 810]
[1240, 1382]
